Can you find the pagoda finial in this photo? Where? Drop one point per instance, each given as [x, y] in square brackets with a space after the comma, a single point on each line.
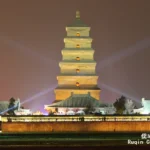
[77, 14]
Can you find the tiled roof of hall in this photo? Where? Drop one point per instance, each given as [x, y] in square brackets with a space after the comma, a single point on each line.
[78, 22]
[79, 100]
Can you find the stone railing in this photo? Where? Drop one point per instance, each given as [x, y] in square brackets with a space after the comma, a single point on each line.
[73, 118]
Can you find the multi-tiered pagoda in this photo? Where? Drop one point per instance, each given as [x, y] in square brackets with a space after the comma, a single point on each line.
[77, 81]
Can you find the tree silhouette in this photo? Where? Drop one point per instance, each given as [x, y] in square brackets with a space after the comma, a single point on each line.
[11, 106]
[120, 105]
[50, 113]
[22, 107]
[89, 108]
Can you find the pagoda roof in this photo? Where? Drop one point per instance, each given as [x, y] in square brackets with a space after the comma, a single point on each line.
[79, 100]
[77, 88]
[78, 22]
[78, 49]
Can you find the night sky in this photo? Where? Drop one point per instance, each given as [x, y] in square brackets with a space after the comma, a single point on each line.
[31, 40]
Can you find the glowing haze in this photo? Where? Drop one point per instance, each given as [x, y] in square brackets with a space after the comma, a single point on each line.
[31, 39]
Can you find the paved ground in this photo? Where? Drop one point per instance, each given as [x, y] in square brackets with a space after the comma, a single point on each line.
[69, 139]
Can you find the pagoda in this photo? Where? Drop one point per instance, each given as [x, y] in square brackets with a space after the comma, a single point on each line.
[78, 67]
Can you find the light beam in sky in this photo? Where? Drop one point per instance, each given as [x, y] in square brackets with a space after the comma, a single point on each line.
[127, 85]
[19, 46]
[7, 110]
[124, 53]
[39, 94]
[119, 92]
[33, 97]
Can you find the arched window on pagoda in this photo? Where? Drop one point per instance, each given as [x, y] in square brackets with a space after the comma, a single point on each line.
[77, 46]
[78, 58]
[77, 70]
[77, 34]
[77, 84]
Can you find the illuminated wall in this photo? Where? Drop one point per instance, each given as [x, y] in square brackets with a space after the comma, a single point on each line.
[109, 126]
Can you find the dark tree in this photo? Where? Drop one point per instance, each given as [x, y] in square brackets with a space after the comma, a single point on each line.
[98, 114]
[22, 107]
[11, 106]
[120, 105]
[89, 109]
[51, 113]
[135, 107]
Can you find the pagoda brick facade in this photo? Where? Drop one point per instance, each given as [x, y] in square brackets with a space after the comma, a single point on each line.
[77, 68]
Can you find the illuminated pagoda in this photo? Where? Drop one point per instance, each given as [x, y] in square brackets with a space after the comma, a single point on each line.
[77, 81]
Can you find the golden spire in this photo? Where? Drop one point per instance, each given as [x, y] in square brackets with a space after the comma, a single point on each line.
[78, 14]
